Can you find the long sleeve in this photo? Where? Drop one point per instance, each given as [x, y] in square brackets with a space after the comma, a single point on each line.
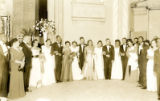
[155, 61]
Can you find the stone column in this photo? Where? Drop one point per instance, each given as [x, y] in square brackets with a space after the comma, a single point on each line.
[51, 10]
[59, 17]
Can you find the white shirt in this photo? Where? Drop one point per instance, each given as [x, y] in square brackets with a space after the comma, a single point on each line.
[108, 47]
[140, 47]
[82, 46]
[124, 47]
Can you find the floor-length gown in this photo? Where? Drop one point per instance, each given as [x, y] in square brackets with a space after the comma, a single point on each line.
[35, 74]
[4, 72]
[49, 66]
[117, 66]
[76, 71]
[16, 87]
[99, 64]
[89, 66]
[151, 78]
[66, 74]
[132, 66]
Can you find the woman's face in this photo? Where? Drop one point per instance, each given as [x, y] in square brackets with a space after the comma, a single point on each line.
[67, 44]
[74, 44]
[117, 44]
[130, 44]
[99, 44]
[153, 44]
[36, 43]
[48, 42]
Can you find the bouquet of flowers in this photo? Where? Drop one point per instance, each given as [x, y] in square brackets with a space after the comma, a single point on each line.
[44, 26]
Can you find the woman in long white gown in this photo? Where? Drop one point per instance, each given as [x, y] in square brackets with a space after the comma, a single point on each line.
[89, 64]
[132, 66]
[99, 64]
[36, 70]
[49, 64]
[76, 71]
[151, 77]
[117, 64]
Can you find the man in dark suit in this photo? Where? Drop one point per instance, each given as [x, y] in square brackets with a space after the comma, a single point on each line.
[82, 46]
[124, 58]
[157, 66]
[26, 46]
[108, 55]
[142, 62]
[57, 51]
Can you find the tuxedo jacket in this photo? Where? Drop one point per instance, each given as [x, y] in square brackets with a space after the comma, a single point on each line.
[81, 52]
[108, 52]
[27, 52]
[124, 51]
[157, 61]
[143, 53]
[56, 47]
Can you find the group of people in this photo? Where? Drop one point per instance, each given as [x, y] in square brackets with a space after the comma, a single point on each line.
[26, 65]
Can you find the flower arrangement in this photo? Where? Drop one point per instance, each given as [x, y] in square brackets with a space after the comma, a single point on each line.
[44, 26]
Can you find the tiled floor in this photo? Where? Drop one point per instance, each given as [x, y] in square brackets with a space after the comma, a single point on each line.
[102, 90]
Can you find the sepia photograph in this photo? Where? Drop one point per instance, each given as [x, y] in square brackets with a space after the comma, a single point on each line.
[79, 50]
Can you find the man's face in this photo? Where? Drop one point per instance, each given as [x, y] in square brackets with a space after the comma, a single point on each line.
[82, 41]
[20, 40]
[59, 39]
[135, 40]
[158, 43]
[140, 40]
[124, 41]
[107, 42]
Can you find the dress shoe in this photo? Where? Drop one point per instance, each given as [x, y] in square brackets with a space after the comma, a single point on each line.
[144, 87]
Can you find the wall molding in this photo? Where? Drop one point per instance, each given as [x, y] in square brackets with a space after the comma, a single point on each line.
[89, 11]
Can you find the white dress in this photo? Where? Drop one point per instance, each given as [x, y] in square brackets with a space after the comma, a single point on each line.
[76, 71]
[99, 63]
[49, 66]
[35, 74]
[151, 78]
[117, 65]
[133, 59]
[132, 66]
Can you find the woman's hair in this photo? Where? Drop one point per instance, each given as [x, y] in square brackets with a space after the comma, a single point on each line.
[74, 42]
[147, 41]
[118, 41]
[67, 42]
[129, 40]
[99, 41]
[34, 41]
[48, 40]
[89, 41]
[152, 41]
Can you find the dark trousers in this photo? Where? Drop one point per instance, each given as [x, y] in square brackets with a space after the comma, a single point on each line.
[158, 84]
[142, 75]
[81, 62]
[107, 69]
[26, 75]
[58, 68]
[124, 66]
